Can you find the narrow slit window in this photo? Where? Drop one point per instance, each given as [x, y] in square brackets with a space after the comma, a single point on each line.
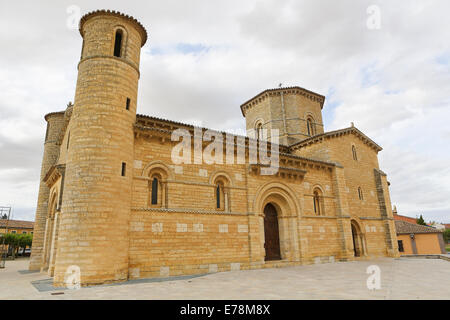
[317, 203]
[218, 196]
[259, 131]
[68, 140]
[310, 127]
[360, 194]
[128, 103]
[155, 183]
[82, 50]
[124, 169]
[118, 44]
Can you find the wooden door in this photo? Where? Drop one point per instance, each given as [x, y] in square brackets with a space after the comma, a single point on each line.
[271, 233]
[355, 236]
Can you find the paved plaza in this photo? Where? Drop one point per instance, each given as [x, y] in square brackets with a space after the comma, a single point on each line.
[403, 278]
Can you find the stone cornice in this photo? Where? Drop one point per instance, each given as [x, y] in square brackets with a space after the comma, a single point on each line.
[53, 174]
[289, 90]
[192, 211]
[163, 129]
[52, 114]
[333, 134]
[92, 14]
[282, 172]
[166, 127]
[135, 67]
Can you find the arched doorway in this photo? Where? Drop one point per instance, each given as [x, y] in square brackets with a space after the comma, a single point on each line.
[271, 233]
[50, 227]
[358, 240]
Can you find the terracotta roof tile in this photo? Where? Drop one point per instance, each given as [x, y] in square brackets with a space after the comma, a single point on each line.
[404, 227]
[405, 218]
[19, 224]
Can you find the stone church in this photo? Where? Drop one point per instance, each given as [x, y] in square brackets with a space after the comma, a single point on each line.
[114, 206]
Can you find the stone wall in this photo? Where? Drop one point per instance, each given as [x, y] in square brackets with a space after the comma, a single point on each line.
[55, 123]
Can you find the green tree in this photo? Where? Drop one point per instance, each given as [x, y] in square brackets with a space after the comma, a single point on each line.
[16, 241]
[421, 221]
[11, 240]
[25, 240]
[447, 236]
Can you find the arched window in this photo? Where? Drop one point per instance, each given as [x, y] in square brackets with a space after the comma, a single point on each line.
[221, 193]
[318, 199]
[155, 184]
[360, 194]
[157, 188]
[310, 126]
[259, 131]
[355, 156]
[118, 43]
[219, 197]
[157, 191]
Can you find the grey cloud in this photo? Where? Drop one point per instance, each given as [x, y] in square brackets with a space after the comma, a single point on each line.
[253, 45]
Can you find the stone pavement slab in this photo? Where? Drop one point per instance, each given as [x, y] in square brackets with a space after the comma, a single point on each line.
[402, 278]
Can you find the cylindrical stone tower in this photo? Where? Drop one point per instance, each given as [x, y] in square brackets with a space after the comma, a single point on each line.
[55, 123]
[93, 234]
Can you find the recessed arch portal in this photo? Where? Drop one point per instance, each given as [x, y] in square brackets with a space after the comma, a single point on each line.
[271, 233]
[279, 211]
[358, 240]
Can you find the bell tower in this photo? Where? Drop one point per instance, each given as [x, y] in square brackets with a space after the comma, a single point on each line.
[93, 232]
[294, 114]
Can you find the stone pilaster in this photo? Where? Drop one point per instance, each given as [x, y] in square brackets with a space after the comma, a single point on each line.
[342, 212]
[386, 212]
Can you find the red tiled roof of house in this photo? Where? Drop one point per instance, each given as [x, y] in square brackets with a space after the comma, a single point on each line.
[18, 224]
[404, 227]
[405, 218]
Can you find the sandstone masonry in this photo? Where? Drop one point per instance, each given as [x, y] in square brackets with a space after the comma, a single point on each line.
[114, 205]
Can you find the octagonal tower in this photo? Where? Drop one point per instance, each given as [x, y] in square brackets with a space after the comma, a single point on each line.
[295, 113]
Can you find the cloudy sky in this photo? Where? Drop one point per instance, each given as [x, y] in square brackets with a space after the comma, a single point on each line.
[204, 58]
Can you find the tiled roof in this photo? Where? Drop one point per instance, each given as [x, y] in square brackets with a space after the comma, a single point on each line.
[404, 227]
[405, 218]
[18, 224]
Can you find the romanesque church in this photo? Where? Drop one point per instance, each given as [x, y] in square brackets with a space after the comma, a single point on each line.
[113, 204]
